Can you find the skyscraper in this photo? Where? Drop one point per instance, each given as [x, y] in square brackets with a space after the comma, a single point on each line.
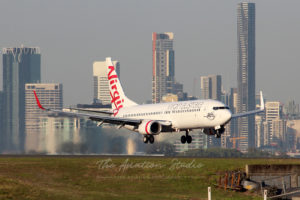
[211, 87]
[246, 72]
[273, 119]
[163, 65]
[101, 88]
[259, 133]
[51, 96]
[20, 65]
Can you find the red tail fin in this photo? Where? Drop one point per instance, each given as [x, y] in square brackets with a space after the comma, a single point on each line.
[38, 101]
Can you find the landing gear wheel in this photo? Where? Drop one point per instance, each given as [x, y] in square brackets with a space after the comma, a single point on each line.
[151, 139]
[183, 139]
[189, 139]
[145, 139]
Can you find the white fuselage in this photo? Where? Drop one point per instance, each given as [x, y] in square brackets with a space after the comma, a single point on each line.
[183, 115]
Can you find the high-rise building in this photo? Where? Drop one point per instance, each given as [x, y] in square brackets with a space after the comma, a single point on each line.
[211, 87]
[273, 112]
[233, 104]
[291, 109]
[20, 66]
[266, 133]
[246, 72]
[259, 133]
[163, 60]
[51, 96]
[101, 88]
[279, 130]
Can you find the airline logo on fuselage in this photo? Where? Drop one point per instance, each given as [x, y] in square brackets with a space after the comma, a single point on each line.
[114, 93]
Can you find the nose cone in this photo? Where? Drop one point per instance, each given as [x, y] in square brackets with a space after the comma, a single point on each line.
[227, 116]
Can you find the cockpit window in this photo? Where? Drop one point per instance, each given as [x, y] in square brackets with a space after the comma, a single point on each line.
[221, 108]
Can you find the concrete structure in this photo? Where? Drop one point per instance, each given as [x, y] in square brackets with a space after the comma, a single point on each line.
[20, 66]
[261, 172]
[101, 88]
[246, 72]
[211, 87]
[51, 96]
[163, 59]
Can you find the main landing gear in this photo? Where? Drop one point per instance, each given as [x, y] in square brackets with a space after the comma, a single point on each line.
[186, 138]
[149, 138]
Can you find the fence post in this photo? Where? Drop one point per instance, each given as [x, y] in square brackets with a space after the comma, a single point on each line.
[265, 194]
[209, 193]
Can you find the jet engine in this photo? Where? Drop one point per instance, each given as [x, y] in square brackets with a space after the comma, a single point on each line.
[150, 127]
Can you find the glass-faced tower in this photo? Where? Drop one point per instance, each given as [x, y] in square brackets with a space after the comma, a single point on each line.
[163, 65]
[20, 65]
[246, 72]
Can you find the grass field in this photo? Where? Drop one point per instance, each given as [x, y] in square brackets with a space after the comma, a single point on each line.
[118, 177]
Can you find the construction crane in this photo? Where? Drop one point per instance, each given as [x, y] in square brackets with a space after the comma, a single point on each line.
[234, 139]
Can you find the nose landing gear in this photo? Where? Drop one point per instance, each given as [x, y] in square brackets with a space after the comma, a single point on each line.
[219, 132]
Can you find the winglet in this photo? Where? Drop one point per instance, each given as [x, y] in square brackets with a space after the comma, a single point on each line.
[38, 101]
[262, 103]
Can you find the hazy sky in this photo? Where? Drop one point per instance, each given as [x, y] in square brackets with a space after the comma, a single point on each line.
[72, 34]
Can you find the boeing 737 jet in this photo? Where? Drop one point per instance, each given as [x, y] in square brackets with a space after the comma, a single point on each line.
[210, 116]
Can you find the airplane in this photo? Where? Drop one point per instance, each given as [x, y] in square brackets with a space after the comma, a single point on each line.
[150, 120]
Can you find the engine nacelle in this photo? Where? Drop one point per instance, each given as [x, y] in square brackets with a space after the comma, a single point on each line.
[150, 127]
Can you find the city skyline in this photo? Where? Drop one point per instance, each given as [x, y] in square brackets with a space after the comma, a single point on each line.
[277, 44]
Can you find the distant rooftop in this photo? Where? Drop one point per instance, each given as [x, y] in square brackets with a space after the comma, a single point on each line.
[22, 49]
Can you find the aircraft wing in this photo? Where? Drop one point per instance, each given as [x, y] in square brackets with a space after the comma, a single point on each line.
[108, 112]
[253, 112]
[99, 118]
